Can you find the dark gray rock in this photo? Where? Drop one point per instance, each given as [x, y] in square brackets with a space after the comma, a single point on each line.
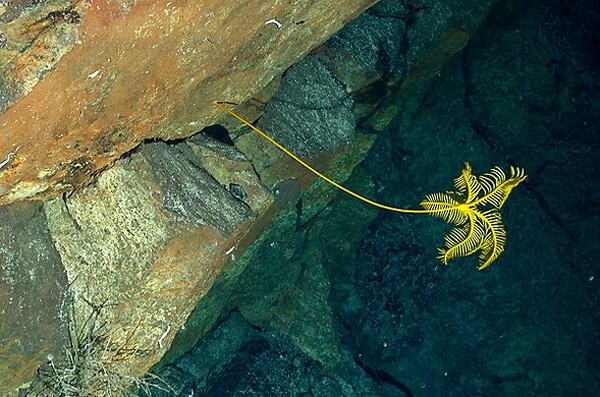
[236, 359]
[33, 293]
[371, 47]
[311, 112]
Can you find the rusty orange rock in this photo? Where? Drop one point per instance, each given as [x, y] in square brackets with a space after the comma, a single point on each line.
[148, 69]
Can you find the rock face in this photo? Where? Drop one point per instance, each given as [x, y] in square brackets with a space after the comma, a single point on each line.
[132, 70]
[144, 240]
[33, 293]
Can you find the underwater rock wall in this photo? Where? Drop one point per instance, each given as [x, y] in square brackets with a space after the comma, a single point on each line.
[82, 85]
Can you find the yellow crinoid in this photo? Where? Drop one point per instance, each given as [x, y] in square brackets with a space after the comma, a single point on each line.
[474, 207]
[475, 210]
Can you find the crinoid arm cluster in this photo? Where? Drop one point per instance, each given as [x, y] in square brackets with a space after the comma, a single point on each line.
[475, 210]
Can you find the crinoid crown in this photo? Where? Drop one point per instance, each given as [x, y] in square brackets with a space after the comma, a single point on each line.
[475, 210]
